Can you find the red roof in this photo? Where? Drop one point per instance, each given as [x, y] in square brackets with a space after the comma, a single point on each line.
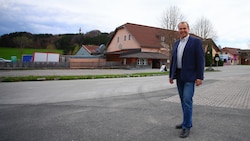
[230, 50]
[148, 36]
[90, 48]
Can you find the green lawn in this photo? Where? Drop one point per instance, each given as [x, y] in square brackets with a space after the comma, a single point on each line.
[8, 52]
[43, 78]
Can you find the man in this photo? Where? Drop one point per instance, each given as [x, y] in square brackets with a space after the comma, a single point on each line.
[187, 67]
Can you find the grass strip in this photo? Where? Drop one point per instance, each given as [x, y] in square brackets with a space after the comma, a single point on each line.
[46, 78]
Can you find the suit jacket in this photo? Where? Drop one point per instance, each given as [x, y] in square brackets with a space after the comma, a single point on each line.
[192, 61]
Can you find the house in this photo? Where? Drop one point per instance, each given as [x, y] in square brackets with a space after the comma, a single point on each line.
[140, 46]
[244, 56]
[88, 56]
[232, 55]
[210, 48]
[134, 46]
[87, 50]
[210, 43]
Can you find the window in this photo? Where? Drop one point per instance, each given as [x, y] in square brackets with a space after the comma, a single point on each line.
[162, 38]
[124, 61]
[117, 39]
[129, 37]
[145, 61]
[125, 37]
[142, 61]
[139, 61]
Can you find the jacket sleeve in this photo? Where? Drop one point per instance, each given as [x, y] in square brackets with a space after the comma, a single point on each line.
[171, 68]
[173, 64]
[200, 60]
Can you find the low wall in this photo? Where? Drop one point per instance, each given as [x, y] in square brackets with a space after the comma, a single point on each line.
[92, 63]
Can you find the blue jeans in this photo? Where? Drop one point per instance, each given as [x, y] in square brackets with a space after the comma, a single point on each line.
[186, 92]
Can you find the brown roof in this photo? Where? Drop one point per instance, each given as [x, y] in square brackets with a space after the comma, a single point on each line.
[90, 48]
[210, 41]
[147, 36]
[230, 50]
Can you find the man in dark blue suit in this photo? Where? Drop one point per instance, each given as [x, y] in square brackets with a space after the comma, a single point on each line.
[187, 67]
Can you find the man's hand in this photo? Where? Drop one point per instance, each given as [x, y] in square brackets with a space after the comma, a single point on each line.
[198, 82]
[171, 81]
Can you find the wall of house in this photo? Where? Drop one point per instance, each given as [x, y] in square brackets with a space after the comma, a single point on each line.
[158, 50]
[233, 59]
[245, 61]
[132, 63]
[143, 49]
[150, 49]
[244, 57]
[114, 57]
[86, 62]
[123, 43]
[213, 50]
[83, 51]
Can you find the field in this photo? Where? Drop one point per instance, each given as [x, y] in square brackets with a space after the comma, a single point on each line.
[8, 52]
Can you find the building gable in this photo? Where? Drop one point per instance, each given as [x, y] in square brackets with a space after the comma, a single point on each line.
[122, 40]
[146, 38]
[232, 51]
[87, 50]
[207, 43]
[82, 51]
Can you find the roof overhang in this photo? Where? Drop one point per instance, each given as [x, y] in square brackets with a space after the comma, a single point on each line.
[145, 55]
[123, 52]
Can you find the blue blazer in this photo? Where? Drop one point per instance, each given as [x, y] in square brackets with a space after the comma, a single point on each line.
[193, 61]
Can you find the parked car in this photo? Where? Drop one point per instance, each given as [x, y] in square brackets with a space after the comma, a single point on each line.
[2, 60]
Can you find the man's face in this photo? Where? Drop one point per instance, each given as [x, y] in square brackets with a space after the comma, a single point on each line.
[183, 30]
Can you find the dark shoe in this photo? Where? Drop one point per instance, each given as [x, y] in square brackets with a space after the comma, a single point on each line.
[184, 133]
[179, 126]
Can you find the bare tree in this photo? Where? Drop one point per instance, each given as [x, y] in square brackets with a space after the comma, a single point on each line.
[171, 17]
[204, 28]
[169, 21]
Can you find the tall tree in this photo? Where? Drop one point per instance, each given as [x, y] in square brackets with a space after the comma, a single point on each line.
[22, 41]
[209, 56]
[65, 44]
[171, 17]
[204, 28]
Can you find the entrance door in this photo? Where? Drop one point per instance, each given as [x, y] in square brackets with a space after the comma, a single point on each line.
[156, 63]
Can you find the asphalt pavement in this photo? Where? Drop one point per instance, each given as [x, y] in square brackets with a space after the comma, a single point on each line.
[123, 109]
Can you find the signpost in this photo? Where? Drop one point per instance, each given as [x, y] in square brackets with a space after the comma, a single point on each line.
[217, 60]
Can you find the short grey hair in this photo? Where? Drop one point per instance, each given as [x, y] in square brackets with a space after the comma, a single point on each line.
[184, 23]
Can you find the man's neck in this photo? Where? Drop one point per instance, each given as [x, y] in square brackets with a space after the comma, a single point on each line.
[184, 37]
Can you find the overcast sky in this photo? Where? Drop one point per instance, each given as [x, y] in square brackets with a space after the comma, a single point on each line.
[230, 18]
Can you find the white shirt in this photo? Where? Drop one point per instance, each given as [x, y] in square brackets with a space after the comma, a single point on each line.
[180, 50]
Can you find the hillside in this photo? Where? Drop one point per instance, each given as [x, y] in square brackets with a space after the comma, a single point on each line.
[8, 52]
[68, 43]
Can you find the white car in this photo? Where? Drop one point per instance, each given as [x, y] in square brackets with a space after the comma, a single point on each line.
[4, 60]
